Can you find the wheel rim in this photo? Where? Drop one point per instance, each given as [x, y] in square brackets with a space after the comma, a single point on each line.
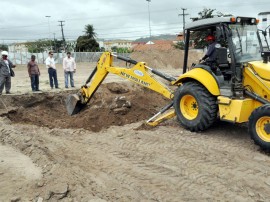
[189, 107]
[263, 128]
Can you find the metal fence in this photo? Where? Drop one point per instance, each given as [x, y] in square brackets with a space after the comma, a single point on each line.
[24, 57]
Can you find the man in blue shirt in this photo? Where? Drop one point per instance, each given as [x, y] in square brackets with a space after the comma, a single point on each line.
[210, 55]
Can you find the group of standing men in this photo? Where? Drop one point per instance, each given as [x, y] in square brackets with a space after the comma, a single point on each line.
[6, 71]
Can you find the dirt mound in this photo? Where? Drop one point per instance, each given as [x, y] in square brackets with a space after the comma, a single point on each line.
[161, 59]
[158, 45]
[113, 104]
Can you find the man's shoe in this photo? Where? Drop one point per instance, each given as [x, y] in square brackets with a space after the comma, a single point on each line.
[8, 92]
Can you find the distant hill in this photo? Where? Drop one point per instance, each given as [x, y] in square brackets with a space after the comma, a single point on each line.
[160, 37]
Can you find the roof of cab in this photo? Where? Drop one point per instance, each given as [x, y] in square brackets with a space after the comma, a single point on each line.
[207, 22]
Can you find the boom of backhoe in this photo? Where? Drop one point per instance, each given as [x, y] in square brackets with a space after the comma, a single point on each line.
[139, 73]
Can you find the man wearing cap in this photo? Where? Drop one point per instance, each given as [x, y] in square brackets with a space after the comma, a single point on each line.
[5, 72]
[50, 64]
[69, 67]
[210, 55]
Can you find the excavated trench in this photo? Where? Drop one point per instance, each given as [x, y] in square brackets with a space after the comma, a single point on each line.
[113, 104]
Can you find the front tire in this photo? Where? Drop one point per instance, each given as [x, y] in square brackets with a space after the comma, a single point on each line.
[259, 126]
[195, 107]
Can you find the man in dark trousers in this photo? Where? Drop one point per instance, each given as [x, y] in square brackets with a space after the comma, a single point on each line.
[34, 73]
[50, 64]
[5, 73]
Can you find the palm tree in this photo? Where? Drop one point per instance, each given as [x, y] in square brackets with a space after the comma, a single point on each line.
[90, 31]
[87, 42]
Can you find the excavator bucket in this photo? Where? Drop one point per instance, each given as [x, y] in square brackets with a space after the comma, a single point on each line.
[73, 104]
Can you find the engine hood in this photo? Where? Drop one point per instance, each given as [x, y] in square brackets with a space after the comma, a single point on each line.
[262, 69]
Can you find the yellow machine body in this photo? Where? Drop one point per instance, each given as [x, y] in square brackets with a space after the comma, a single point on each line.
[256, 76]
[203, 77]
[236, 110]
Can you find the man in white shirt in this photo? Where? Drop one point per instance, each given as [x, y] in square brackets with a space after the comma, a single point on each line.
[50, 64]
[69, 67]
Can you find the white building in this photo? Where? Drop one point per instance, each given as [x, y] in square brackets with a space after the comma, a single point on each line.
[17, 47]
[117, 43]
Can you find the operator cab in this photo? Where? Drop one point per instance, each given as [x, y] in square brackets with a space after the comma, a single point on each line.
[237, 43]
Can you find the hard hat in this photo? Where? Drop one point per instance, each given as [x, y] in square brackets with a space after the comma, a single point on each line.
[4, 53]
[210, 38]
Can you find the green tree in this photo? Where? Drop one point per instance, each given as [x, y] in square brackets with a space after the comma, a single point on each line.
[43, 45]
[38, 46]
[90, 31]
[87, 42]
[120, 50]
[114, 48]
[123, 50]
[3, 47]
[57, 45]
[180, 45]
[102, 49]
[70, 46]
[199, 36]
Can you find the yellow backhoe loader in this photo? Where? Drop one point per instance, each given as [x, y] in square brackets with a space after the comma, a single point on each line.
[234, 88]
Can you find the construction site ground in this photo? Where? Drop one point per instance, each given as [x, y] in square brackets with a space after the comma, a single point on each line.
[107, 153]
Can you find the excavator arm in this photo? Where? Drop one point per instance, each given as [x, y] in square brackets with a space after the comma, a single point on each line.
[139, 73]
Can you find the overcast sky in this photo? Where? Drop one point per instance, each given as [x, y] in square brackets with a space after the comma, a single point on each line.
[112, 19]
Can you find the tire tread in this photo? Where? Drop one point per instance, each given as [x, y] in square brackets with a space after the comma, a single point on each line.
[208, 114]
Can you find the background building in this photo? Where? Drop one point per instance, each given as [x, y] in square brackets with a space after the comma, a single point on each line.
[17, 47]
[108, 45]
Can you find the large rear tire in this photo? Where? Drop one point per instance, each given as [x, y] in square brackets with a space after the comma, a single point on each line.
[259, 126]
[195, 107]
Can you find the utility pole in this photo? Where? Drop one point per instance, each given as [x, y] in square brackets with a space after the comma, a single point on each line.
[54, 42]
[149, 20]
[64, 41]
[48, 16]
[184, 20]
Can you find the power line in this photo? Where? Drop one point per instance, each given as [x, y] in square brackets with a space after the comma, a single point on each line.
[242, 4]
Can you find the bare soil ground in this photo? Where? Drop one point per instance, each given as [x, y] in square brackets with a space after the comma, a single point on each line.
[105, 153]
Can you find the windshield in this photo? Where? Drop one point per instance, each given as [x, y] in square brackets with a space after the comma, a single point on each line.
[246, 43]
